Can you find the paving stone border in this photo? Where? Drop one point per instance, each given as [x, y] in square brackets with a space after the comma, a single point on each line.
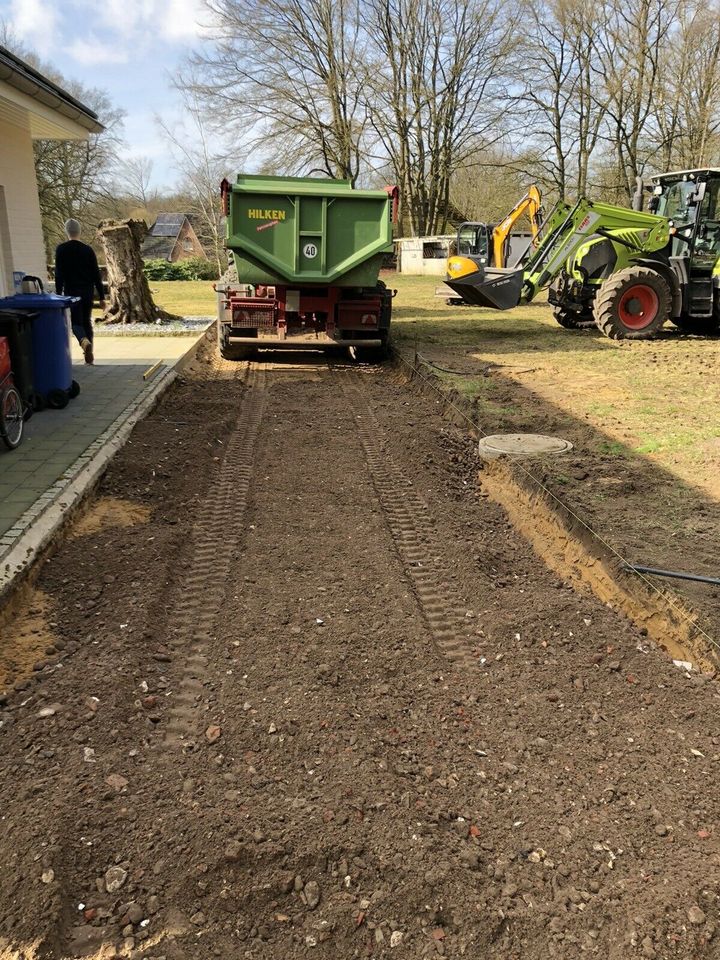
[38, 526]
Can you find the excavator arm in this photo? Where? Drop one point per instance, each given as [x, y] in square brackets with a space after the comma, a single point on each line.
[530, 205]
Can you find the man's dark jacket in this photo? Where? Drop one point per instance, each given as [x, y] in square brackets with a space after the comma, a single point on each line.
[76, 269]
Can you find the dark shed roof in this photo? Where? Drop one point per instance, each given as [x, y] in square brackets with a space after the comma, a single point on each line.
[168, 225]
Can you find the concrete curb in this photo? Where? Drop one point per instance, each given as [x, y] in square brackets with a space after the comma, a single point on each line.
[40, 524]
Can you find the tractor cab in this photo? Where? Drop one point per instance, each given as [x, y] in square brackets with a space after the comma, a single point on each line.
[690, 199]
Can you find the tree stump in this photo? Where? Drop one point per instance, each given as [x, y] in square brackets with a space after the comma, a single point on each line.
[130, 300]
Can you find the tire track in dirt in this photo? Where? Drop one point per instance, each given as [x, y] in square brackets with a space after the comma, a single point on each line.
[412, 531]
[204, 584]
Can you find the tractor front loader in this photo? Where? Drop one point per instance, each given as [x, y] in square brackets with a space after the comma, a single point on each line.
[625, 270]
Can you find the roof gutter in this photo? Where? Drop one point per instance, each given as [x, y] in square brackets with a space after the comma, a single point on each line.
[25, 78]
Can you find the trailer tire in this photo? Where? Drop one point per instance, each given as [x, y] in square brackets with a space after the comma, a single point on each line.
[572, 320]
[632, 304]
[369, 354]
[235, 351]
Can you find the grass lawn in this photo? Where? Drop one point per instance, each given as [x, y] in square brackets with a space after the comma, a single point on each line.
[187, 298]
[655, 398]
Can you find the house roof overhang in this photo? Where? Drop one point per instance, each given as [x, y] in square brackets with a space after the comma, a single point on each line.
[31, 100]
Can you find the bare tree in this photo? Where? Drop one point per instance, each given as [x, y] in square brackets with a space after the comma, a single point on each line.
[134, 179]
[629, 52]
[560, 102]
[283, 74]
[201, 170]
[687, 100]
[431, 93]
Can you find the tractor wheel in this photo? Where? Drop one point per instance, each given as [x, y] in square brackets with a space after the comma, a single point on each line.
[571, 320]
[632, 304]
[235, 351]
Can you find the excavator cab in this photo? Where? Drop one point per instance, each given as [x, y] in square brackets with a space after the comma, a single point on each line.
[473, 240]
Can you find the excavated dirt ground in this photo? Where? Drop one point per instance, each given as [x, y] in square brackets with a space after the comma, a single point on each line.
[319, 698]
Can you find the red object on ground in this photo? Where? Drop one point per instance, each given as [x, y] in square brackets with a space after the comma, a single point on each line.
[5, 368]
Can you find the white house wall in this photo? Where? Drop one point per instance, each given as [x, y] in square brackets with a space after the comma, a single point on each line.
[23, 248]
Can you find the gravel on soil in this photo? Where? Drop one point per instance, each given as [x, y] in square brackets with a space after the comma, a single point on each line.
[348, 791]
[186, 325]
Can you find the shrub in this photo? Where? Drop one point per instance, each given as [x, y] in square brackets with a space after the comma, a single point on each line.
[194, 268]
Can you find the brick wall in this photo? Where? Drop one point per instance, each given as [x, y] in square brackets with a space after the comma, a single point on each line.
[186, 234]
[17, 178]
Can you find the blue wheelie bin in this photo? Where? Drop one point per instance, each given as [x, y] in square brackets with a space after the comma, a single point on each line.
[53, 383]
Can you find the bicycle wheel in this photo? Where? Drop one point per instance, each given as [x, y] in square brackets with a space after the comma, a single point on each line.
[11, 417]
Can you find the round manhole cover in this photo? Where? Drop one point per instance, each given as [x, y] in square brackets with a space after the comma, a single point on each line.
[522, 445]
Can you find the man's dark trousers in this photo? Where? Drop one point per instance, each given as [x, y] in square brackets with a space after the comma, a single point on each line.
[81, 312]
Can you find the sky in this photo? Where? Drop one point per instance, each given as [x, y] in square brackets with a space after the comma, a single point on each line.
[129, 48]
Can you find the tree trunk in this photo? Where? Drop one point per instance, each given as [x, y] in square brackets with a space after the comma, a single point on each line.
[130, 299]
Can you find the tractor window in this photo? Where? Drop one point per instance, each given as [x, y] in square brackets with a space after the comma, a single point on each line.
[710, 207]
[674, 202]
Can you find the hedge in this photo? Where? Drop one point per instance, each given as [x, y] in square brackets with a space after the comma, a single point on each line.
[194, 268]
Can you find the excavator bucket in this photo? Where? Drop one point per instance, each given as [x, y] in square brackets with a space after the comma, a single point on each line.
[495, 287]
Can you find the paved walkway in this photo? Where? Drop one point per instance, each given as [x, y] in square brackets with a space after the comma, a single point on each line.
[54, 439]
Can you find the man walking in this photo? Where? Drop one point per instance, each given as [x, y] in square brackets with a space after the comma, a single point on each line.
[76, 275]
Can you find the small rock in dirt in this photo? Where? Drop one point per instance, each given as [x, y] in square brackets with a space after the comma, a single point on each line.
[153, 905]
[135, 913]
[213, 733]
[312, 894]
[233, 851]
[49, 711]
[396, 938]
[648, 949]
[115, 878]
[614, 666]
[48, 875]
[695, 915]
[661, 830]
[115, 781]
[89, 755]
[162, 657]
[272, 728]
[198, 918]
[286, 883]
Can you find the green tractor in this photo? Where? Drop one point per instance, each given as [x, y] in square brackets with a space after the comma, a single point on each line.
[624, 270]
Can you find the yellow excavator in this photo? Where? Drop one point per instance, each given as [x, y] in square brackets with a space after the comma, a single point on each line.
[495, 244]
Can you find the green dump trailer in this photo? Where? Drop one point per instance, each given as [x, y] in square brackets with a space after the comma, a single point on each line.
[307, 252]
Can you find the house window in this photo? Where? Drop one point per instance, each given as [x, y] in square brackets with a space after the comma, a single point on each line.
[188, 245]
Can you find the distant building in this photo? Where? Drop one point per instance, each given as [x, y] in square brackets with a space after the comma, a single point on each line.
[172, 238]
[32, 107]
[426, 256]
